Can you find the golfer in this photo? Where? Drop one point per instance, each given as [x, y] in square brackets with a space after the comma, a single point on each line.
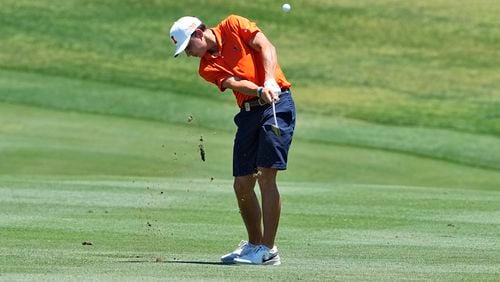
[237, 55]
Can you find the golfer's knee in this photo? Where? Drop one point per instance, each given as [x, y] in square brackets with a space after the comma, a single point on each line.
[243, 186]
[268, 177]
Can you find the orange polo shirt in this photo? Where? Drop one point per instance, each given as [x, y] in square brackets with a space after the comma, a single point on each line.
[236, 58]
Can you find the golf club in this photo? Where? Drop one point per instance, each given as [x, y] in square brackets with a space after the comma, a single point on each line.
[275, 128]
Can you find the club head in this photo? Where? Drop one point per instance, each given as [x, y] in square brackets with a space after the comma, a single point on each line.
[276, 130]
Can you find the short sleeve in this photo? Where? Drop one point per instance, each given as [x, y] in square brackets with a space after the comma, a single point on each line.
[214, 74]
[245, 28]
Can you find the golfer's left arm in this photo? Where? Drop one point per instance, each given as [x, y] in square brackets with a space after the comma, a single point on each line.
[261, 44]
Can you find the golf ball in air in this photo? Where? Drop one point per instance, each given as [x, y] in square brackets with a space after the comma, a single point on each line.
[286, 7]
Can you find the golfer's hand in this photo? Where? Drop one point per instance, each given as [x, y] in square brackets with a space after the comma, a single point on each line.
[268, 95]
[271, 91]
[273, 85]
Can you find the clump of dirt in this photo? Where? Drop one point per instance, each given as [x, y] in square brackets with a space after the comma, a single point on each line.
[158, 259]
[87, 243]
[202, 149]
[190, 118]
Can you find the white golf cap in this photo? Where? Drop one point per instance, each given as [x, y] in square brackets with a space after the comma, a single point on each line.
[181, 31]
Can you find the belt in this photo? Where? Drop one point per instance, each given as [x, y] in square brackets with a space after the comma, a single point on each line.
[259, 102]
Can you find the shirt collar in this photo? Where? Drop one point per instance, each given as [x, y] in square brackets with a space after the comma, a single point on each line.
[218, 38]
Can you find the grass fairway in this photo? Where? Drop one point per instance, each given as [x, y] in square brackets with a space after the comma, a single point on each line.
[394, 171]
[163, 228]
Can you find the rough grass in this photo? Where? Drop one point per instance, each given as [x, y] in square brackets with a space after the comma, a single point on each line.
[419, 63]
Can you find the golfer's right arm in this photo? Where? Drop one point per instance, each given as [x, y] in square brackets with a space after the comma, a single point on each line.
[247, 87]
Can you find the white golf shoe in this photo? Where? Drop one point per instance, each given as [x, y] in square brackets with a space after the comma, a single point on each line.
[243, 248]
[260, 255]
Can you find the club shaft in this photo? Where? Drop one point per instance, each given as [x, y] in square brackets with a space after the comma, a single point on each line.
[274, 115]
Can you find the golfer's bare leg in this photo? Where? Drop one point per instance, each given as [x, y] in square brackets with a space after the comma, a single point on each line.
[249, 207]
[271, 204]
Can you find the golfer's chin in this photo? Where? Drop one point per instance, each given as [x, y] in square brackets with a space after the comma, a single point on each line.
[200, 55]
[194, 55]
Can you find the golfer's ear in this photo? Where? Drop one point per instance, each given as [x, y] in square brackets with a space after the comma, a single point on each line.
[198, 33]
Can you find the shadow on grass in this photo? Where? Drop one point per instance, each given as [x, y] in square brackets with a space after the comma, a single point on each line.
[200, 262]
[181, 262]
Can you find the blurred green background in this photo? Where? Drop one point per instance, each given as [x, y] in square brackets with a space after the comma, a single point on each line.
[415, 77]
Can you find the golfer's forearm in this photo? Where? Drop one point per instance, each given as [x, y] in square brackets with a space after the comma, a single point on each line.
[243, 86]
[261, 44]
[269, 60]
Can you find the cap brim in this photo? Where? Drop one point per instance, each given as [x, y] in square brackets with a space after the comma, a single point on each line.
[181, 47]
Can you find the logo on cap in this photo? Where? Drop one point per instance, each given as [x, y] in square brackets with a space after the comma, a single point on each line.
[173, 39]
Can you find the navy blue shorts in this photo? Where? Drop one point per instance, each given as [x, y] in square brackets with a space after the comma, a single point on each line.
[255, 144]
